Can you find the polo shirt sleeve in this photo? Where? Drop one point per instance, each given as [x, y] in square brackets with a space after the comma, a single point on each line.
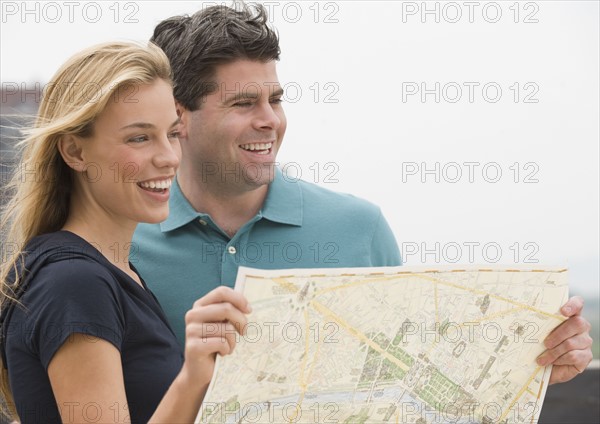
[384, 248]
[72, 296]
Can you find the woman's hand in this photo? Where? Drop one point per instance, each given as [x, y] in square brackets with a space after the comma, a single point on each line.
[213, 326]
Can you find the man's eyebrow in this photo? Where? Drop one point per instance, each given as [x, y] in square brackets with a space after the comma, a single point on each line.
[252, 95]
[241, 96]
[277, 93]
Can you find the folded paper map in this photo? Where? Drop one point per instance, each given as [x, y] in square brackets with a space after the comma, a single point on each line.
[389, 345]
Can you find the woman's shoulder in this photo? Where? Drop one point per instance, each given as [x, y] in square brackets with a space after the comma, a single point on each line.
[59, 246]
[63, 261]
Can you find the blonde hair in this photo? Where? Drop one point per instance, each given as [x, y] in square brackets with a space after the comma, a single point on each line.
[40, 189]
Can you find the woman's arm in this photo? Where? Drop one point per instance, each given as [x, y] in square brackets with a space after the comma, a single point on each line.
[211, 327]
[87, 378]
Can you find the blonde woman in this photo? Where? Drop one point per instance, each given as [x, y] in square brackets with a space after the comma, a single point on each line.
[83, 339]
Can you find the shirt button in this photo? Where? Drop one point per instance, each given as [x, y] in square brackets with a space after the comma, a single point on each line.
[203, 222]
[231, 250]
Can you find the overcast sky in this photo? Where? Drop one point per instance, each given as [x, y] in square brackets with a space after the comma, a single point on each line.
[473, 125]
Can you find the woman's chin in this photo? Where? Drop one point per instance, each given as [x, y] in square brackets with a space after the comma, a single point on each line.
[155, 218]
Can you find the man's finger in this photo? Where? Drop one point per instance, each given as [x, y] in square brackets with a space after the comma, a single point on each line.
[579, 342]
[576, 325]
[573, 306]
[576, 358]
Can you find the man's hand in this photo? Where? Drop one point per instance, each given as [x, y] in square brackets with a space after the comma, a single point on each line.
[569, 346]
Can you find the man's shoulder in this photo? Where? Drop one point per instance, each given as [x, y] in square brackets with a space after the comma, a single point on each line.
[325, 198]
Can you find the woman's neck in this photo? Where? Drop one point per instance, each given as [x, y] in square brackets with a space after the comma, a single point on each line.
[112, 238]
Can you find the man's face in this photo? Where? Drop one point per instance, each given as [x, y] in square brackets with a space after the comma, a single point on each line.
[232, 140]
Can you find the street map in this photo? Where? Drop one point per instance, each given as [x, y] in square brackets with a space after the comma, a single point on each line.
[389, 345]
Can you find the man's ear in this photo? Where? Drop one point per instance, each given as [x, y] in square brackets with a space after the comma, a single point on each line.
[184, 117]
[71, 150]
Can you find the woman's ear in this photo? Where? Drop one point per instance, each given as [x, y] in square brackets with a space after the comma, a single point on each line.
[70, 148]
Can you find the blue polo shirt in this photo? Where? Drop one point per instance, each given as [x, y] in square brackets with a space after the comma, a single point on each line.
[301, 225]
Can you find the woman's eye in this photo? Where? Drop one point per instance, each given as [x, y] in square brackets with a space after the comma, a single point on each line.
[138, 139]
[174, 134]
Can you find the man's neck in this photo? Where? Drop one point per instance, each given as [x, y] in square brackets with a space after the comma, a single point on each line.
[229, 207]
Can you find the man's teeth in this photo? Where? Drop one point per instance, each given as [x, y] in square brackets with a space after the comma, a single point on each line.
[160, 185]
[257, 146]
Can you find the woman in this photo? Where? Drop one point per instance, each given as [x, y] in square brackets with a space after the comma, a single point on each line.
[83, 339]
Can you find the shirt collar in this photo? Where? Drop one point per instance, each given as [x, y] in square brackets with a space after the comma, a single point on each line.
[180, 210]
[284, 201]
[283, 204]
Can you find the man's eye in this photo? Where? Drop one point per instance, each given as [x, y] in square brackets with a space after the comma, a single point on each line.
[243, 104]
[138, 139]
[277, 100]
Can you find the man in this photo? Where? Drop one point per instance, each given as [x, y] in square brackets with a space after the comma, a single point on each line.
[231, 206]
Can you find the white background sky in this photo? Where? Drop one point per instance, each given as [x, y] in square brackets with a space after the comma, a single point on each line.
[355, 120]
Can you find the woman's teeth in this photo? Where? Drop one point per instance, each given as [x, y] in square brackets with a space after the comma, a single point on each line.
[155, 185]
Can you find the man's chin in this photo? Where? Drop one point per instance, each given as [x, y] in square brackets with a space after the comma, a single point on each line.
[254, 184]
[258, 174]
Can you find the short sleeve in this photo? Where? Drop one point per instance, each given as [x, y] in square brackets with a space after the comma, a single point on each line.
[384, 248]
[68, 297]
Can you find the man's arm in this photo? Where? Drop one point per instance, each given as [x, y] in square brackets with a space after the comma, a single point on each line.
[384, 248]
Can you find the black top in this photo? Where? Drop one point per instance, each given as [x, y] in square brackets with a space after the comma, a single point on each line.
[71, 288]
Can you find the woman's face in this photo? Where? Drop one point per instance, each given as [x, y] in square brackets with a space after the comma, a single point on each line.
[133, 154]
